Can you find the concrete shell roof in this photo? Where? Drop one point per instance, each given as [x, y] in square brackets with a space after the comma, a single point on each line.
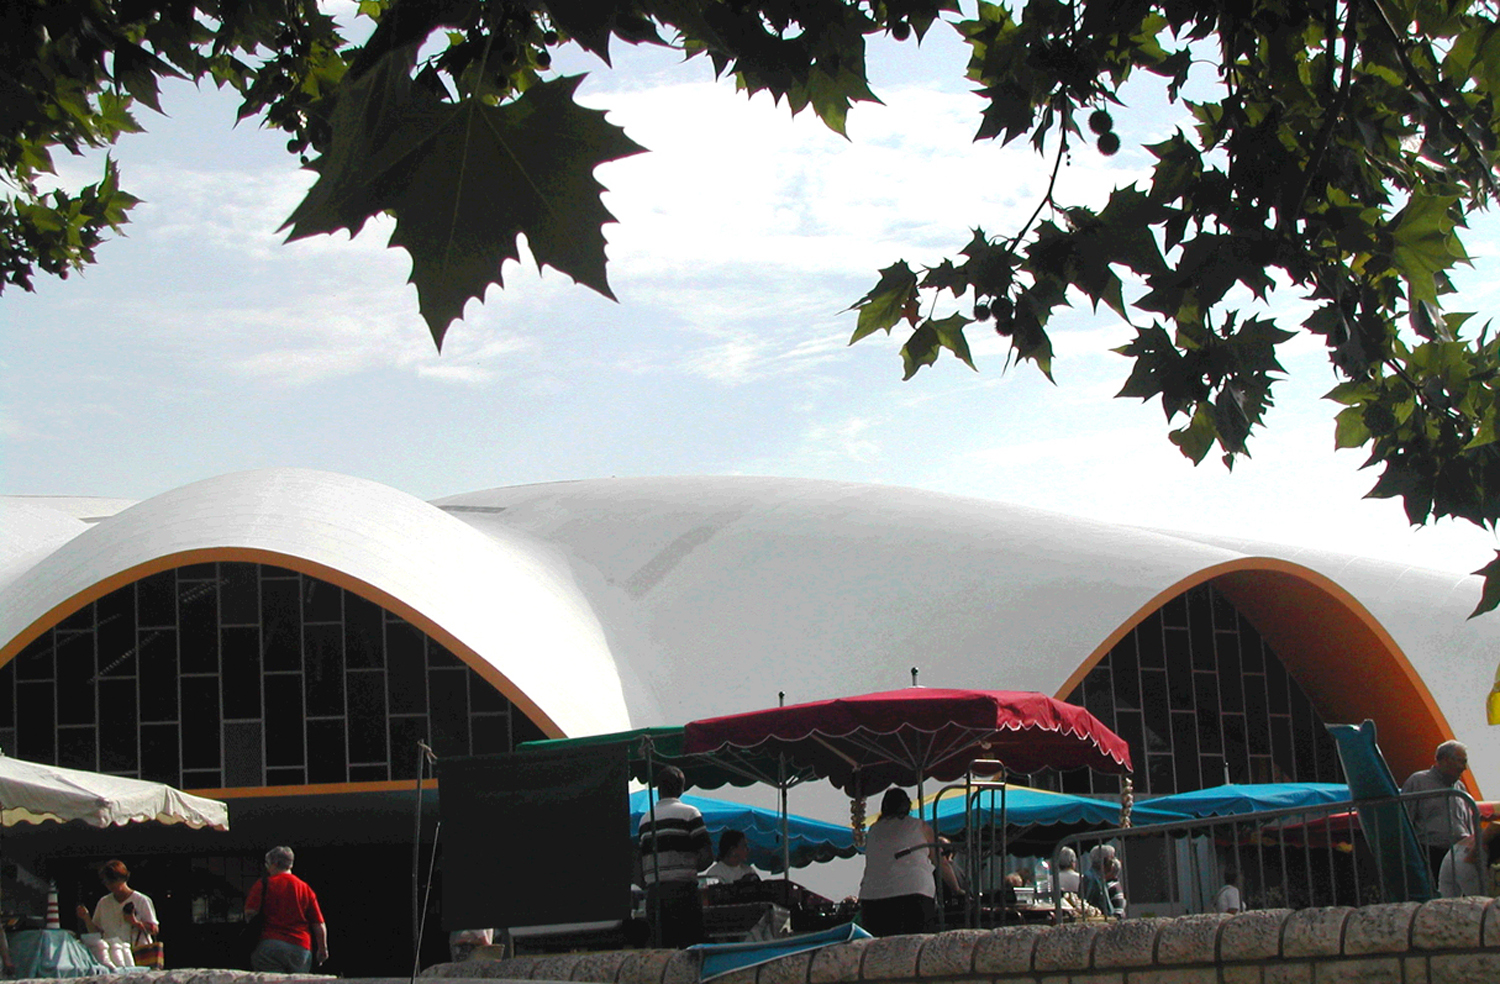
[721, 592]
[616, 602]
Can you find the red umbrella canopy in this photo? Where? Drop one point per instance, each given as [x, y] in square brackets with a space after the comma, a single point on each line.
[864, 744]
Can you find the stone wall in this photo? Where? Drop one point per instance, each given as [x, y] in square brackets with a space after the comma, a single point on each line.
[1448, 941]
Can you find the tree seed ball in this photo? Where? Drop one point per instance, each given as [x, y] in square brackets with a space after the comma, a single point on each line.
[1101, 122]
[901, 30]
[1109, 144]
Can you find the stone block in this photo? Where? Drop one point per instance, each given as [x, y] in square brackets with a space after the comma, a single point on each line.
[600, 968]
[1127, 943]
[1245, 973]
[1190, 939]
[1098, 977]
[892, 958]
[745, 975]
[1007, 951]
[1414, 970]
[1287, 972]
[1492, 925]
[1370, 970]
[1464, 968]
[682, 967]
[1314, 932]
[1179, 975]
[835, 964]
[1252, 935]
[950, 954]
[1380, 928]
[791, 969]
[644, 966]
[1446, 924]
[1069, 947]
[553, 967]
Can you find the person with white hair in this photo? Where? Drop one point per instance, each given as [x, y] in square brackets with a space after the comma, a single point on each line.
[1068, 878]
[292, 924]
[1096, 880]
[1440, 821]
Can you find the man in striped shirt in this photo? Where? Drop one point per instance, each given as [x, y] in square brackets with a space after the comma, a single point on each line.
[674, 847]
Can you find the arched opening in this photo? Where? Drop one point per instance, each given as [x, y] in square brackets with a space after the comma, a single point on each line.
[234, 669]
[1305, 623]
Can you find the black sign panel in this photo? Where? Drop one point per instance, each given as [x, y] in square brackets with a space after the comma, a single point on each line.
[535, 838]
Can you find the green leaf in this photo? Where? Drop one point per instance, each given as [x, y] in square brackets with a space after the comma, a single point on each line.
[1349, 429]
[1197, 437]
[894, 297]
[950, 335]
[1490, 597]
[1423, 245]
[921, 349]
[465, 180]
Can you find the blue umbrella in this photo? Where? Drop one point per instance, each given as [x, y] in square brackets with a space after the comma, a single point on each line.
[1027, 807]
[810, 840]
[1234, 798]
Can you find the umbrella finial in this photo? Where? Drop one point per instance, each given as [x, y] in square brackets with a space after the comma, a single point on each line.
[781, 698]
[913, 676]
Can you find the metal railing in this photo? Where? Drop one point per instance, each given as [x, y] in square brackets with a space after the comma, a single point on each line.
[1353, 853]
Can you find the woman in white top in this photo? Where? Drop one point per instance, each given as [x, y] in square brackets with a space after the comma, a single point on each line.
[734, 859]
[895, 896]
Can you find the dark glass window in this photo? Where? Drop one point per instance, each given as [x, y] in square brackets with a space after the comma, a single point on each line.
[156, 599]
[240, 676]
[280, 625]
[321, 601]
[1214, 698]
[406, 668]
[327, 761]
[323, 655]
[200, 723]
[284, 720]
[246, 675]
[156, 656]
[239, 594]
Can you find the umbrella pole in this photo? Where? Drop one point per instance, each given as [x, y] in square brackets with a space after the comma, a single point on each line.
[653, 898]
[786, 844]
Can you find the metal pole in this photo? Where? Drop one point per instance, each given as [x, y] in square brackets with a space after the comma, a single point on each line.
[786, 843]
[424, 756]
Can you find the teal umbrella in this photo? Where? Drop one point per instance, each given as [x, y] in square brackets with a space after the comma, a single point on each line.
[809, 840]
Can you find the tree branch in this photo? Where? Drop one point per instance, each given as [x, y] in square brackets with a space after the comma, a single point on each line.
[1433, 99]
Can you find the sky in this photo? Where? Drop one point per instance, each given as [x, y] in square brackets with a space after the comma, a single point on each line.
[202, 344]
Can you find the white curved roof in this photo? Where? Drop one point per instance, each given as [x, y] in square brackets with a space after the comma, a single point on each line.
[720, 592]
[625, 602]
[502, 597]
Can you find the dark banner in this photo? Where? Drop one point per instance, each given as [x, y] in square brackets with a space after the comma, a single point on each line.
[535, 838]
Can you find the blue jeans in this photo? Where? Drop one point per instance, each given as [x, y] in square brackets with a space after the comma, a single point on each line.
[280, 957]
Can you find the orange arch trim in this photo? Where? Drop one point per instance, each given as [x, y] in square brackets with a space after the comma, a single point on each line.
[391, 603]
[1342, 657]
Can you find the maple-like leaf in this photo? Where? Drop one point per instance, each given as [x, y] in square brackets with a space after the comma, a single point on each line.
[464, 180]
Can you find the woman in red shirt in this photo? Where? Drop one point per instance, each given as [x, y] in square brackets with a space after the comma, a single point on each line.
[293, 924]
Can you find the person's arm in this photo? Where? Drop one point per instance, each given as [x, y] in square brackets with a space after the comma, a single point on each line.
[144, 916]
[320, 941]
[950, 877]
[253, 901]
[87, 920]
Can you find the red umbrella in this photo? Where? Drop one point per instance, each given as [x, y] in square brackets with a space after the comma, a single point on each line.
[864, 744]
